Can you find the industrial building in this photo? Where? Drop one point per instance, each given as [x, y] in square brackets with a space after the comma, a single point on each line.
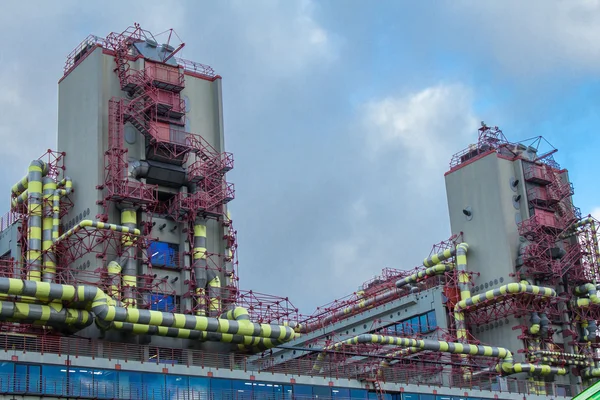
[118, 265]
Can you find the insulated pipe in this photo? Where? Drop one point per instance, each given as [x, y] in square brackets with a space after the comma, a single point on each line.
[465, 293]
[23, 184]
[129, 261]
[506, 366]
[559, 354]
[34, 223]
[438, 258]
[511, 288]
[214, 292]
[242, 340]
[544, 324]
[199, 264]
[237, 313]
[138, 169]
[590, 290]
[562, 361]
[53, 314]
[48, 255]
[431, 271]
[398, 353]
[592, 329]
[86, 223]
[114, 275]
[535, 319]
[102, 306]
[65, 187]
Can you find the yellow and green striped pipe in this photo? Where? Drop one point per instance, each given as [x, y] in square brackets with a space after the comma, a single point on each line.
[34, 223]
[590, 290]
[114, 276]
[48, 255]
[509, 289]
[506, 366]
[95, 300]
[64, 187]
[129, 261]
[53, 314]
[199, 265]
[23, 184]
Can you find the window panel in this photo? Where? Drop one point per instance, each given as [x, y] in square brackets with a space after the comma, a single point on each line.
[431, 320]
[427, 397]
[7, 371]
[303, 390]
[423, 323]
[20, 378]
[81, 382]
[154, 386]
[410, 396]
[358, 394]
[130, 385]
[54, 380]
[321, 392]
[220, 389]
[262, 391]
[199, 388]
[283, 392]
[105, 383]
[34, 379]
[340, 393]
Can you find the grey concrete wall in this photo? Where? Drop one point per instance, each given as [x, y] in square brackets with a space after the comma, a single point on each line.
[492, 232]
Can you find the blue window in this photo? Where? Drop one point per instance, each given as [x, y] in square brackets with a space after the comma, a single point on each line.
[358, 394]
[400, 329]
[321, 392]
[410, 396]
[414, 321]
[153, 386]
[220, 389]
[7, 371]
[130, 385]
[427, 397]
[423, 323]
[81, 382]
[303, 391]
[340, 393]
[163, 254]
[105, 383]
[20, 378]
[283, 392]
[199, 387]
[177, 387]
[162, 302]
[431, 320]
[54, 380]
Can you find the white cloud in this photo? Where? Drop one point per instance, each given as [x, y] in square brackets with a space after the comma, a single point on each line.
[596, 213]
[530, 37]
[421, 127]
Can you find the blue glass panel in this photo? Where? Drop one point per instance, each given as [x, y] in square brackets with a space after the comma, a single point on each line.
[105, 383]
[54, 380]
[20, 378]
[408, 330]
[130, 385]
[372, 396]
[283, 392]
[81, 382]
[302, 390]
[154, 386]
[443, 397]
[199, 387]
[321, 391]
[161, 302]
[262, 390]
[358, 394]
[410, 396]
[340, 393]
[423, 323]
[414, 321]
[220, 389]
[34, 381]
[427, 396]
[431, 320]
[242, 389]
[177, 387]
[400, 329]
[7, 371]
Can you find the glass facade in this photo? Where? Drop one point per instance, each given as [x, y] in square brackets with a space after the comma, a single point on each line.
[93, 383]
[417, 324]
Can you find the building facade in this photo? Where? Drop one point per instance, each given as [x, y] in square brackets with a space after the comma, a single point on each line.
[119, 269]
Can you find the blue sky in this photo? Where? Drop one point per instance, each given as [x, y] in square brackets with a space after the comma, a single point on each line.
[342, 115]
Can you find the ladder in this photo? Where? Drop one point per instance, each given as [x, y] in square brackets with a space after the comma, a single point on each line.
[377, 386]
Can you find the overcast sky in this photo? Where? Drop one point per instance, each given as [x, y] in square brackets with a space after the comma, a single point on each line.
[342, 115]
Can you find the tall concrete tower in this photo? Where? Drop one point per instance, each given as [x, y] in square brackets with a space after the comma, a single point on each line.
[127, 110]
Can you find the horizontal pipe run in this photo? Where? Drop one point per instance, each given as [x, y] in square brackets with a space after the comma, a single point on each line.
[431, 271]
[19, 187]
[95, 300]
[87, 223]
[506, 366]
[511, 288]
[438, 258]
[52, 314]
[141, 329]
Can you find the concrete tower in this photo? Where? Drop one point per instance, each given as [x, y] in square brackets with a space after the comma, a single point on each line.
[127, 107]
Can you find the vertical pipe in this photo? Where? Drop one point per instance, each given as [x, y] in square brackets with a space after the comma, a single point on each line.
[214, 293]
[465, 293]
[64, 188]
[199, 263]
[129, 220]
[48, 256]
[114, 275]
[34, 223]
